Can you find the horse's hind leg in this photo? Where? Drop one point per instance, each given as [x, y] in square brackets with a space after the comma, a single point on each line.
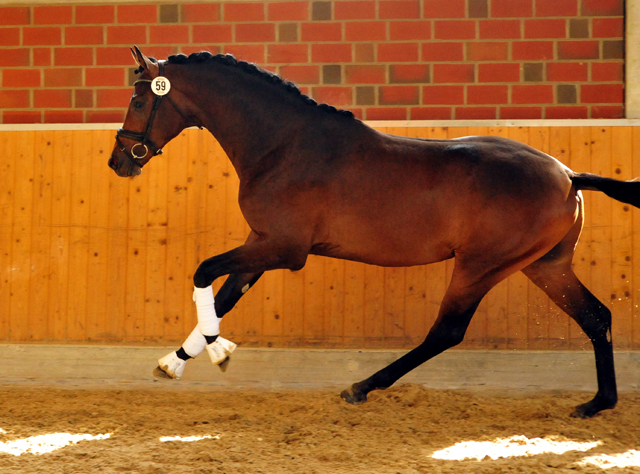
[458, 306]
[556, 278]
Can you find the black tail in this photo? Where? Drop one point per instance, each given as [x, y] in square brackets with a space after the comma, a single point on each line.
[623, 191]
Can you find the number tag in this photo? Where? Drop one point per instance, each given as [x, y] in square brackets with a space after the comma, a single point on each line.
[160, 85]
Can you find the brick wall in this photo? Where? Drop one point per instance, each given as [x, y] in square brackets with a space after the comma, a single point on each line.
[383, 59]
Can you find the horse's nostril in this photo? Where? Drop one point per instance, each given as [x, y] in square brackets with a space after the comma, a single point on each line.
[113, 163]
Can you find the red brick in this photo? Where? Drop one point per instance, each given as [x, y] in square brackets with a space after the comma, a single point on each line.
[9, 36]
[567, 72]
[366, 31]
[244, 11]
[532, 50]
[532, 94]
[355, 10]
[15, 16]
[520, 113]
[321, 31]
[578, 50]
[608, 28]
[193, 48]
[442, 52]
[21, 78]
[554, 28]
[200, 12]
[499, 72]
[45, 35]
[83, 35]
[287, 53]
[104, 76]
[475, 113]
[301, 74]
[288, 11]
[357, 112]
[409, 30]
[168, 34]
[83, 98]
[444, 9]
[386, 113]
[14, 99]
[409, 73]
[113, 57]
[63, 116]
[333, 95]
[499, 29]
[443, 95]
[605, 72]
[14, 57]
[398, 52]
[143, 14]
[601, 93]
[455, 29]
[254, 53]
[330, 53]
[42, 57]
[105, 116]
[395, 9]
[607, 112]
[487, 51]
[15, 116]
[162, 52]
[107, 98]
[373, 74]
[62, 77]
[487, 94]
[52, 15]
[451, 73]
[602, 7]
[556, 8]
[255, 33]
[52, 98]
[126, 35]
[95, 14]
[511, 8]
[399, 95]
[431, 113]
[73, 56]
[566, 112]
[212, 34]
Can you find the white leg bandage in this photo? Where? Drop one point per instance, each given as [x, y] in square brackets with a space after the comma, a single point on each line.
[208, 322]
[195, 343]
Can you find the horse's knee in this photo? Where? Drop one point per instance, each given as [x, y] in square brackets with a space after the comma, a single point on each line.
[597, 325]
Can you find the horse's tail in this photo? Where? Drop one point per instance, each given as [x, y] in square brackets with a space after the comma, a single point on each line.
[623, 191]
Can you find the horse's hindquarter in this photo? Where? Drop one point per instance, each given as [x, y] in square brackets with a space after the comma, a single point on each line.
[408, 202]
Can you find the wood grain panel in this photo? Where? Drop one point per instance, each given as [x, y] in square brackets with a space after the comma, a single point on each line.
[86, 256]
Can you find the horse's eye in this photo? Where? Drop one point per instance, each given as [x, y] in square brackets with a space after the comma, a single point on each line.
[137, 105]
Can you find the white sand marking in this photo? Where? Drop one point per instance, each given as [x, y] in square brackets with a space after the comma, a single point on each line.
[45, 443]
[510, 447]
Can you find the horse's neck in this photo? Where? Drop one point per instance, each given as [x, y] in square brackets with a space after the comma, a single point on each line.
[248, 116]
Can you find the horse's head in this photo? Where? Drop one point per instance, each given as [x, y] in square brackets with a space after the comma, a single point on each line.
[150, 122]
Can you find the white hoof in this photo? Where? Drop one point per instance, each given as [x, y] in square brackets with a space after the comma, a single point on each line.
[172, 365]
[219, 352]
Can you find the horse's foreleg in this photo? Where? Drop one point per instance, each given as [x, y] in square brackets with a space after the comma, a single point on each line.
[561, 284]
[457, 309]
[173, 364]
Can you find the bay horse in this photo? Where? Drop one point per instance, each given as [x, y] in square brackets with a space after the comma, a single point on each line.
[316, 180]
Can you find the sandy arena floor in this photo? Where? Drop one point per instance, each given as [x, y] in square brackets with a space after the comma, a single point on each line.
[397, 431]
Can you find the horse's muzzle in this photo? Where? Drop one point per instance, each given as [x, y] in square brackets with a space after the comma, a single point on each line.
[113, 163]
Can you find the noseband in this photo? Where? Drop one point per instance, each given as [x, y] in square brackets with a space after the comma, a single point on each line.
[142, 139]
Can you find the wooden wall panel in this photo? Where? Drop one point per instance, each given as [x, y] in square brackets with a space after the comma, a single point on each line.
[86, 256]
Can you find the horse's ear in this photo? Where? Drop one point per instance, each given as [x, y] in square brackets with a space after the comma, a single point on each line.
[144, 62]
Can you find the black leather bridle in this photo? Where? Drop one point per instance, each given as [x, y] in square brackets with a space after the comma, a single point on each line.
[142, 138]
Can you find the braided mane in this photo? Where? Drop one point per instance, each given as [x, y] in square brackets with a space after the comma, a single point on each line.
[252, 69]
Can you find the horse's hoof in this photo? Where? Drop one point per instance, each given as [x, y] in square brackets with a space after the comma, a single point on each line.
[220, 350]
[225, 364]
[592, 408]
[170, 367]
[353, 396]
